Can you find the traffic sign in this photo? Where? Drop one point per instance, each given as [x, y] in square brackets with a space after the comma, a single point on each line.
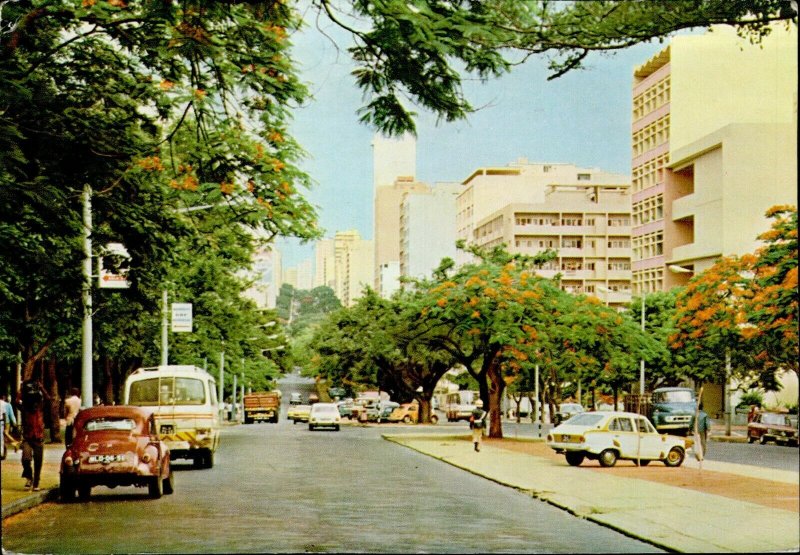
[181, 317]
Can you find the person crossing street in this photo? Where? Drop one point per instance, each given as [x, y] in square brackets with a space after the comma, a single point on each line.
[477, 422]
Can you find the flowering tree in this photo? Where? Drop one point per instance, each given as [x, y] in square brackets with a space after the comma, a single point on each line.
[772, 310]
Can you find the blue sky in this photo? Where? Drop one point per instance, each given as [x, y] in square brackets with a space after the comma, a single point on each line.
[583, 118]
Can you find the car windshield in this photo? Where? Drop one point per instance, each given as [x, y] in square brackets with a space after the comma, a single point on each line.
[571, 407]
[585, 419]
[167, 391]
[119, 424]
[673, 397]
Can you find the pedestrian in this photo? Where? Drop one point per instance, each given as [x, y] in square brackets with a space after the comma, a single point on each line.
[72, 405]
[30, 400]
[477, 422]
[702, 427]
[9, 421]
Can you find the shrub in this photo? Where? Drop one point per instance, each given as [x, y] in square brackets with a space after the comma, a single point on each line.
[751, 397]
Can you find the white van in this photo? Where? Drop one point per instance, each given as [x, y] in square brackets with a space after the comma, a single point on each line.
[184, 402]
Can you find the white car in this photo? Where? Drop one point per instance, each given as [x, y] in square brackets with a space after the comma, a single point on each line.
[610, 436]
[324, 415]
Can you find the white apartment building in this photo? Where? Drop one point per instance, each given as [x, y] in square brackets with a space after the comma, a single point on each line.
[583, 213]
[427, 229]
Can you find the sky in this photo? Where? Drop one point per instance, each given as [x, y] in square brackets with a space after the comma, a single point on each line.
[582, 118]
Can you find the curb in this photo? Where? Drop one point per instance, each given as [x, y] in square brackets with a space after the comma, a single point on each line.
[29, 502]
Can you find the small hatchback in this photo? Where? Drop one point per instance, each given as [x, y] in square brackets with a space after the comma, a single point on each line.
[610, 436]
[115, 446]
[324, 415]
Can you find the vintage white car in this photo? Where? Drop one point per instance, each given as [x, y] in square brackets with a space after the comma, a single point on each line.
[610, 436]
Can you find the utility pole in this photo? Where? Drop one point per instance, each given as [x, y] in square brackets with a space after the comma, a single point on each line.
[641, 362]
[220, 399]
[164, 330]
[87, 395]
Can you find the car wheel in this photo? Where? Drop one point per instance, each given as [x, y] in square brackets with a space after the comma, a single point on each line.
[168, 484]
[156, 487]
[209, 458]
[574, 458]
[66, 490]
[294, 421]
[198, 460]
[336, 428]
[406, 419]
[751, 439]
[434, 419]
[762, 440]
[674, 457]
[84, 492]
[310, 428]
[608, 458]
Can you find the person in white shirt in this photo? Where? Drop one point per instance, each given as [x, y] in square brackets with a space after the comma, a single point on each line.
[72, 405]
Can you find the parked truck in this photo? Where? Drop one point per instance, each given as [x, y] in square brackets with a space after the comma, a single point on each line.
[670, 409]
[264, 406]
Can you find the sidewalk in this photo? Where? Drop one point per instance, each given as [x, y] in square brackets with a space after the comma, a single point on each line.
[13, 494]
[721, 507]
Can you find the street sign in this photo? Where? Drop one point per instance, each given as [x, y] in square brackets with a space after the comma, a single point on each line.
[181, 317]
[113, 265]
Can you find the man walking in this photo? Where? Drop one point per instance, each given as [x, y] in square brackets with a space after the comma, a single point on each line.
[31, 399]
[476, 423]
[72, 405]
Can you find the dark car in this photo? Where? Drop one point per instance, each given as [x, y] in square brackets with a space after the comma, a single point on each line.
[115, 446]
[773, 426]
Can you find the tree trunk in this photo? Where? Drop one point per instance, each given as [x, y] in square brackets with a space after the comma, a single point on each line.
[496, 387]
[51, 386]
[108, 381]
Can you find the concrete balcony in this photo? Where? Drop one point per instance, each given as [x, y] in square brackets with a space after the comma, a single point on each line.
[684, 207]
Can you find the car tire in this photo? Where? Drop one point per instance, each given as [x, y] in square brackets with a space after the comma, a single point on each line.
[66, 490]
[84, 491]
[406, 419]
[156, 487]
[434, 419]
[762, 440]
[675, 457]
[310, 428]
[336, 428]
[208, 458]
[168, 484]
[574, 458]
[751, 439]
[608, 458]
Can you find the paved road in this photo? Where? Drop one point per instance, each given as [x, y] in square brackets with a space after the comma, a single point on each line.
[282, 488]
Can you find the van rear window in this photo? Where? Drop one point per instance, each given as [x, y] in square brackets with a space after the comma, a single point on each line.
[167, 391]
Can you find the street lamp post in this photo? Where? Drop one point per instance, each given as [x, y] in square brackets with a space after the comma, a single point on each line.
[86, 331]
[641, 361]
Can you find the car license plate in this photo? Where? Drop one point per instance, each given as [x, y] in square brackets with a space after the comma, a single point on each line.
[167, 429]
[567, 439]
[106, 459]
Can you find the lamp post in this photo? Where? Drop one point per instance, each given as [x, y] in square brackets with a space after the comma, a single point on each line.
[86, 331]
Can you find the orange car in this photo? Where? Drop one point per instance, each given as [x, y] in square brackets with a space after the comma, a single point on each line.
[409, 413]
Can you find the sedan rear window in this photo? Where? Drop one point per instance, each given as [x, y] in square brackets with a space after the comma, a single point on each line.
[119, 424]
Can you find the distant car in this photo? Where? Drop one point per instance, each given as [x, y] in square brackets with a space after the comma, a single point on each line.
[567, 411]
[313, 398]
[115, 446]
[324, 415]
[408, 413]
[298, 413]
[335, 392]
[345, 408]
[773, 426]
[610, 436]
[380, 410]
[296, 399]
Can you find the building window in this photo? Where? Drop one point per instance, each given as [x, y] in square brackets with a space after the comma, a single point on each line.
[584, 177]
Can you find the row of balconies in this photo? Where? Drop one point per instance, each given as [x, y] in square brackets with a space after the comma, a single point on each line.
[596, 229]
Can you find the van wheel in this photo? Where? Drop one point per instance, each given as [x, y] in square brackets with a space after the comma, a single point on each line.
[608, 458]
[209, 458]
[751, 439]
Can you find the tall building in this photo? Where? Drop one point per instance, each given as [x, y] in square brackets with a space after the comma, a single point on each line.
[387, 226]
[267, 277]
[305, 276]
[354, 265]
[394, 165]
[713, 146]
[427, 229]
[324, 263]
[582, 213]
